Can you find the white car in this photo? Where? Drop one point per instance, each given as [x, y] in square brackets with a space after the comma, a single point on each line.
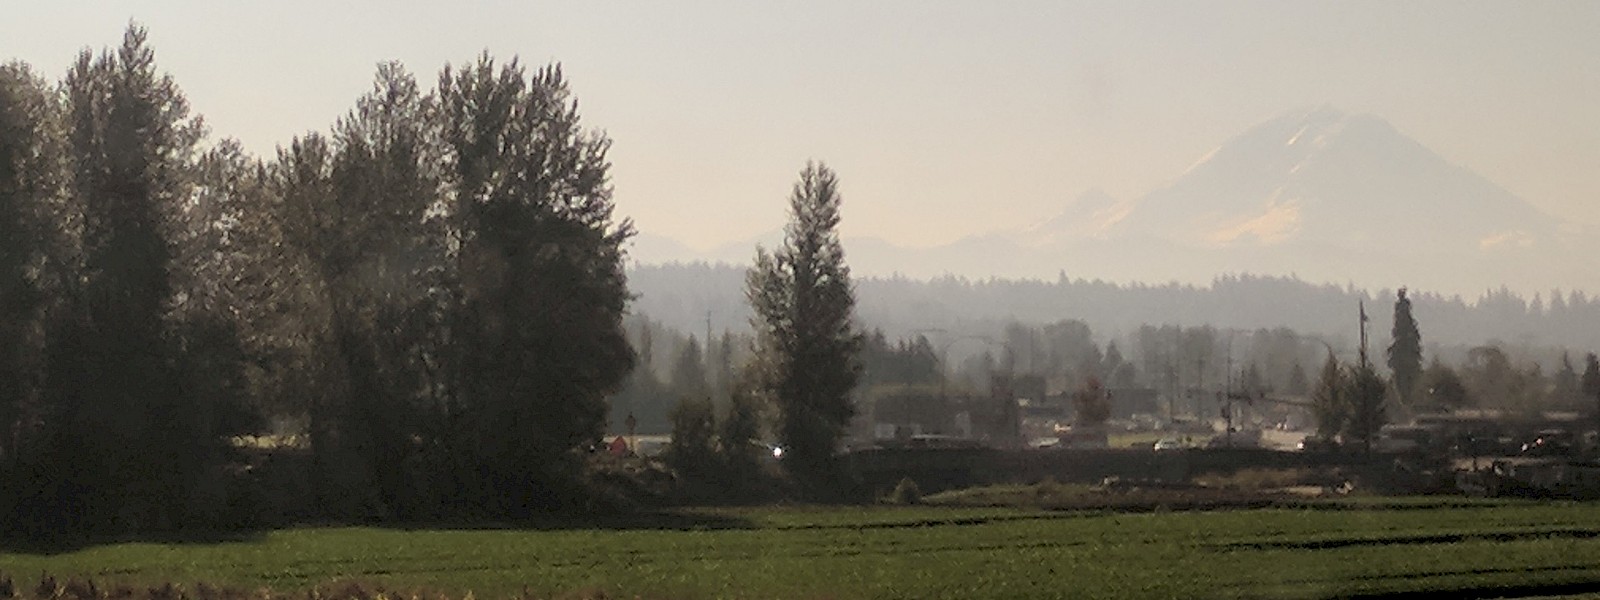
[1168, 444]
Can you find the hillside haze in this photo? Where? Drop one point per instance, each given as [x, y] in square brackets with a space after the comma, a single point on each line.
[1321, 195]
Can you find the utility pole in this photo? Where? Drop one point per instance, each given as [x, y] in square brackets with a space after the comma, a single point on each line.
[1227, 386]
[708, 354]
[1172, 391]
[1362, 306]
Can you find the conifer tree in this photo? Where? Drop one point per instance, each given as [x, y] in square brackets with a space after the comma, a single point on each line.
[1364, 395]
[739, 431]
[693, 452]
[1405, 352]
[1590, 382]
[1564, 384]
[1299, 384]
[689, 373]
[1328, 404]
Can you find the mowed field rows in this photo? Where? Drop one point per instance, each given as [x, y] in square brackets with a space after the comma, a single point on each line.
[1484, 549]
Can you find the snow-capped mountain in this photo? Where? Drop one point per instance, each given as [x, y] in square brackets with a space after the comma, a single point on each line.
[1319, 194]
[1092, 215]
[1326, 177]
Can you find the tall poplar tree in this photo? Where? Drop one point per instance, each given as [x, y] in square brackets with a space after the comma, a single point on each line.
[354, 209]
[318, 233]
[32, 244]
[30, 190]
[131, 456]
[385, 179]
[807, 338]
[541, 287]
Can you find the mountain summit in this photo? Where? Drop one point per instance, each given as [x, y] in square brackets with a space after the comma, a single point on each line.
[1319, 194]
[1324, 177]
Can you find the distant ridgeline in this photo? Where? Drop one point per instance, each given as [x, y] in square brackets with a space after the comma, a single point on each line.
[685, 296]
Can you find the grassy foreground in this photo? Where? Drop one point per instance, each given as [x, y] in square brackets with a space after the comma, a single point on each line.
[1356, 548]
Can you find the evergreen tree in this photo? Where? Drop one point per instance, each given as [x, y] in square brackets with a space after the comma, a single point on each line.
[739, 432]
[722, 363]
[899, 363]
[1113, 358]
[689, 373]
[643, 395]
[1564, 384]
[808, 342]
[1120, 373]
[1405, 352]
[1328, 404]
[1299, 383]
[1091, 406]
[1251, 383]
[1197, 357]
[693, 451]
[1364, 394]
[1590, 382]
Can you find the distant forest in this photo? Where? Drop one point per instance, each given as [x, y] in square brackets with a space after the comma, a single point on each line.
[1263, 334]
[680, 296]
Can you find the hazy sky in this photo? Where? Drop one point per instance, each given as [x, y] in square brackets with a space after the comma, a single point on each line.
[942, 119]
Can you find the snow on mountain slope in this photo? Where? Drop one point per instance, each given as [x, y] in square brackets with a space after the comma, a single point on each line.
[1328, 177]
[1320, 194]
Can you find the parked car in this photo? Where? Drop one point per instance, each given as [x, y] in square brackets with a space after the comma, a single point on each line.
[1167, 444]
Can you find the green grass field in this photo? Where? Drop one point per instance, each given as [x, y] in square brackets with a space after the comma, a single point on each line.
[1353, 548]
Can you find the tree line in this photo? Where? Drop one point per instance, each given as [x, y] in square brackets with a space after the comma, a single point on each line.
[679, 296]
[1351, 396]
[429, 295]
[420, 313]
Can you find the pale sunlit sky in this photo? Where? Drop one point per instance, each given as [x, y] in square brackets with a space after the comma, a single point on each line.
[943, 119]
